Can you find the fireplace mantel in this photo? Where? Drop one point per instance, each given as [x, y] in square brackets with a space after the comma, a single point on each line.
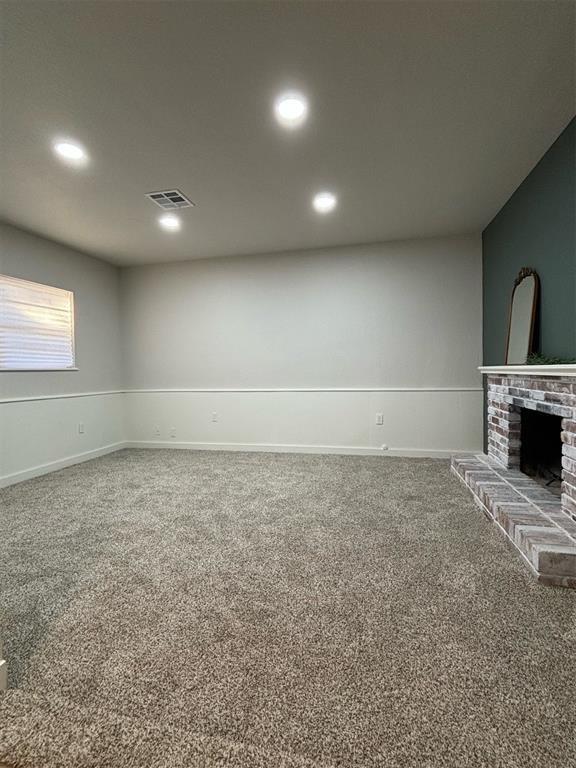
[529, 370]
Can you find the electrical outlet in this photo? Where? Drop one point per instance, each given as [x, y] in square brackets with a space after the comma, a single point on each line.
[379, 419]
[383, 447]
[157, 431]
[81, 428]
[173, 432]
[214, 416]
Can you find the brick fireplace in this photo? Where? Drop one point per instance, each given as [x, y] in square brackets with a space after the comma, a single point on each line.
[531, 419]
[555, 396]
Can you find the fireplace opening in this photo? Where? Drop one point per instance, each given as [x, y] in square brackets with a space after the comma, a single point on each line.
[541, 448]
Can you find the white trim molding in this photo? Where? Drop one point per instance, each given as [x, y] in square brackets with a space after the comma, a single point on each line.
[247, 390]
[341, 450]
[305, 389]
[59, 396]
[3, 671]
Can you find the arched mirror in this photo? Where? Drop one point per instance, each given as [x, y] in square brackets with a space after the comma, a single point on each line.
[522, 317]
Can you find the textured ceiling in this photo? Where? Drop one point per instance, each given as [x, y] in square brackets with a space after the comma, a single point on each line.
[424, 118]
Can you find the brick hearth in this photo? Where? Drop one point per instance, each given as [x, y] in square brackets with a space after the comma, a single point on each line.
[530, 515]
[541, 525]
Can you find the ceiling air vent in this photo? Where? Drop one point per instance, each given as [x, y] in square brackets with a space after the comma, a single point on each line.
[170, 199]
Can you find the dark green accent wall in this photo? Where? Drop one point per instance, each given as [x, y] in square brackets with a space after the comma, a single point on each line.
[536, 228]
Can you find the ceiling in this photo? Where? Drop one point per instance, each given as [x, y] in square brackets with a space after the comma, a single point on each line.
[424, 118]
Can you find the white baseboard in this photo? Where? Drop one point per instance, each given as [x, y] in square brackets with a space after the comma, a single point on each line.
[3, 675]
[342, 450]
[345, 450]
[54, 466]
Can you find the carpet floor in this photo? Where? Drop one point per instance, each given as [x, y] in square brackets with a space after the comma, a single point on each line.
[176, 609]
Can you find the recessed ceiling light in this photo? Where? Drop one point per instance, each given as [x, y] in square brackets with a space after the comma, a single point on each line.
[291, 109]
[70, 152]
[324, 202]
[170, 222]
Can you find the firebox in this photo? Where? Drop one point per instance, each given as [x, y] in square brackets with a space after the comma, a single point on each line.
[541, 448]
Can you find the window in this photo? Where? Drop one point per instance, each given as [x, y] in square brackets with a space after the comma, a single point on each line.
[36, 326]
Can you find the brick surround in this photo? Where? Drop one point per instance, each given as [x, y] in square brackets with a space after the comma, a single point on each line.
[541, 526]
[507, 395]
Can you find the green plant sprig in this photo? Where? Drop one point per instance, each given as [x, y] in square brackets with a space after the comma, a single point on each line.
[537, 359]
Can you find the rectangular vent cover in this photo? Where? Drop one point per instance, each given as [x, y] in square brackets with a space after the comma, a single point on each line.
[170, 199]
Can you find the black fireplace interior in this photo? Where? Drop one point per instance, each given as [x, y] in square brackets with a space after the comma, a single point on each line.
[541, 448]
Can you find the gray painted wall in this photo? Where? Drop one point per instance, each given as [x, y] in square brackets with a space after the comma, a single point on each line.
[40, 417]
[96, 287]
[395, 314]
[536, 228]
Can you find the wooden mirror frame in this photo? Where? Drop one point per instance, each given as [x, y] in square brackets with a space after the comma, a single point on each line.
[522, 275]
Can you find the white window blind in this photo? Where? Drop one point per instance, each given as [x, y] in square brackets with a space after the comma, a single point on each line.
[36, 326]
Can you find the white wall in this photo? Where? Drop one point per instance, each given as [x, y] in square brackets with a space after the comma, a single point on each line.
[336, 336]
[290, 352]
[38, 419]
[418, 423]
[41, 435]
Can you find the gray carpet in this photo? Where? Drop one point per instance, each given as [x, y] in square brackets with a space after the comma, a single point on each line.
[175, 609]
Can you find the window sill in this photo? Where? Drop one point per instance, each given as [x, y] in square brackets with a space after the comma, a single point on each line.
[36, 370]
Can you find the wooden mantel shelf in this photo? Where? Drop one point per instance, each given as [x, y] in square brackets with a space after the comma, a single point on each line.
[529, 370]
